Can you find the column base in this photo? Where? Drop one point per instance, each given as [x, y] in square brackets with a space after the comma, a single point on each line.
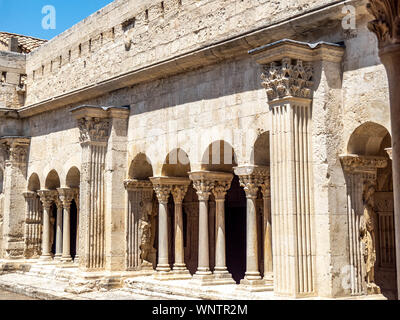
[223, 277]
[76, 260]
[163, 272]
[46, 259]
[66, 259]
[181, 272]
[269, 279]
[58, 257]
[259, 285]
[203, 278]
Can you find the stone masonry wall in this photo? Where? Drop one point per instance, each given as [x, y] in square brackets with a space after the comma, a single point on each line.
[12, 77]
[127, 35]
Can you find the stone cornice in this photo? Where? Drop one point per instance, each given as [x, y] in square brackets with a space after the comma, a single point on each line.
[386, 25]
[170, 181]
[212, 53]
[362, 164]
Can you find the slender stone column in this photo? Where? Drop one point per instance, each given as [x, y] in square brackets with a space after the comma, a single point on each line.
[360, 171]
[179, 192]
[59, 230]
[47, 198]
[204, 185]
[66, 196]
[76, 198]
[163, 193]
[94, 126]
[221, 272]
[267, 230]
[386, 28]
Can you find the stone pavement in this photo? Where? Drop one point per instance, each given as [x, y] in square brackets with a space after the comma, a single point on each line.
[7, 295]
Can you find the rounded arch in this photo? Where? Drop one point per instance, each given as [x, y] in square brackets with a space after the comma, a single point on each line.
[34, 182]
[261, 150]
[73, 178]
[369, 139]
[219, 156]
[176, 164]
[140, 168]
[52, 180]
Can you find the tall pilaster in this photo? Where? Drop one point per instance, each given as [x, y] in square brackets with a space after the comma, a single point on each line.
[15, 153]
[360, 172]
[386, 28]
[94, 126]
[47, 197]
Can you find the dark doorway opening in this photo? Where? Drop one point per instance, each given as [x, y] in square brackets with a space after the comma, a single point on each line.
[74, 227]
[235, 224]
[53, 228]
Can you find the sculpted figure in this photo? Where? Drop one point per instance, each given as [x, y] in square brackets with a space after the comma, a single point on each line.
[146, 236]
[368, 228]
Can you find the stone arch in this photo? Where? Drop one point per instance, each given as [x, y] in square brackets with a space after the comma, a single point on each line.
[34, 182]
[176, 164]
[219, 156]
[52, 180]
[260, 154]
[73, 178]
[369, 139]
[140, 168]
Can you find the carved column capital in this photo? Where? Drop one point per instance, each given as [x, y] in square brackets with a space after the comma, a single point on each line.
[288, 78]
[29, 195]
[15, 150]
[221, 188]
[138, 185]
[66, 195]
[47, 197]
[386, 25]
[266, 187]
[162, 192]
[179, 192]
[362, 164]
[252, 178]
[94, 129]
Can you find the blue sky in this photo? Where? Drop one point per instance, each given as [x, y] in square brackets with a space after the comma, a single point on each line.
[25, 16]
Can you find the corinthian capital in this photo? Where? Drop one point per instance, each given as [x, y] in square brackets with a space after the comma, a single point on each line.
[94, 129]
[288, 78]
[15, 149]
[386, 25]
[179, 193]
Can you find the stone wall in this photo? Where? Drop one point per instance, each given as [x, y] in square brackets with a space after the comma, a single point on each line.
[12, 79]
[127, 35]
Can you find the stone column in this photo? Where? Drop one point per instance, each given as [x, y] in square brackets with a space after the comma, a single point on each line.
[203, 183]
[179, 192]
[47, 197]
[359, 171]
[32, 221]
[163, 193]
[59, 230]
[267, 232]
[15, 154]
[221, 272]
[138, 225]
[77, 202]
[251, 178]
[94, 126]
[385, 26]
[66, 197]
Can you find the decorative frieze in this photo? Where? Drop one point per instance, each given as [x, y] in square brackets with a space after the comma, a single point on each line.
[94, 129]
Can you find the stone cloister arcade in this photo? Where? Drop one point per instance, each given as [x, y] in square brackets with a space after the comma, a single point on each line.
[253, 214]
